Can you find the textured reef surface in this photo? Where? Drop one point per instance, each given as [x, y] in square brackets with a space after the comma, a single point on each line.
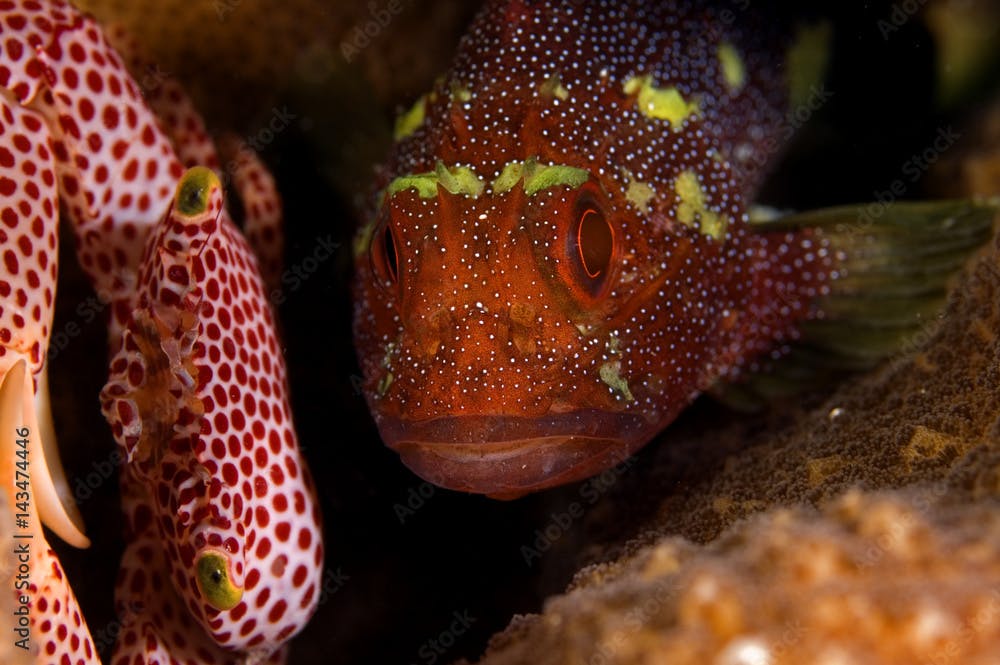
[870, 577]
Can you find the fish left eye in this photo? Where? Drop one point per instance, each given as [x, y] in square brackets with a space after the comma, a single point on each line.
[594, 243]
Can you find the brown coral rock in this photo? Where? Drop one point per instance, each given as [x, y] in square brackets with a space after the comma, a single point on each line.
[869, 578]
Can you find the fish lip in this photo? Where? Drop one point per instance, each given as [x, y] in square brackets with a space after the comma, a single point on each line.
[505, 457]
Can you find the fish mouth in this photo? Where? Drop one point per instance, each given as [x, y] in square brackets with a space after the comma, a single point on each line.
[506, 457]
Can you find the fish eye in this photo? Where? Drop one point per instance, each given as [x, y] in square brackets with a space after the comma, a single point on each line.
[594, 243]
[383, 255]
[591, 245]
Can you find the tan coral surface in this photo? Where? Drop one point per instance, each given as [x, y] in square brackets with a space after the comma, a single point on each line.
[870, 578]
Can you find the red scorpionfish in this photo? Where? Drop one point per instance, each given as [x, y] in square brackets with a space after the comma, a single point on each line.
[560, 256]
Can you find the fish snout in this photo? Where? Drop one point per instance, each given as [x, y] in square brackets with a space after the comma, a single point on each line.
[475, 330]
[428, 329]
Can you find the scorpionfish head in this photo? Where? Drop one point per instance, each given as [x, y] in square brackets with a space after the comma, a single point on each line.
[536, 329]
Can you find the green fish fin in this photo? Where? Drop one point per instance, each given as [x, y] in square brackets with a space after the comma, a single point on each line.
[896, 263]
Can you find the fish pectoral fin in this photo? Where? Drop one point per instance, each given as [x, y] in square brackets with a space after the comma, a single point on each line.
[52, 494]
[20, 409]
[896, 264]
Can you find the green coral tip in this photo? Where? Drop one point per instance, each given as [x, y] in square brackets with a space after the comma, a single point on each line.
[214, 582]
[194, 190]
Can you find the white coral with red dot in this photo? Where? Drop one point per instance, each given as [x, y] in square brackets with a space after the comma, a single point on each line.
[198, 394]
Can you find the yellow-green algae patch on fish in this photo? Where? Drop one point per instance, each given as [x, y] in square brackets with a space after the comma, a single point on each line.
[409, 120]
[732, 66]
[661, 103]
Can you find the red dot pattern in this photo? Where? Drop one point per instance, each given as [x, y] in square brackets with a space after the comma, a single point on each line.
[220, 464]
[29, 214]
[156, 624]
[29, 218]
[78, 129]
[115, 170]
[173, 108]
[58, 628]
